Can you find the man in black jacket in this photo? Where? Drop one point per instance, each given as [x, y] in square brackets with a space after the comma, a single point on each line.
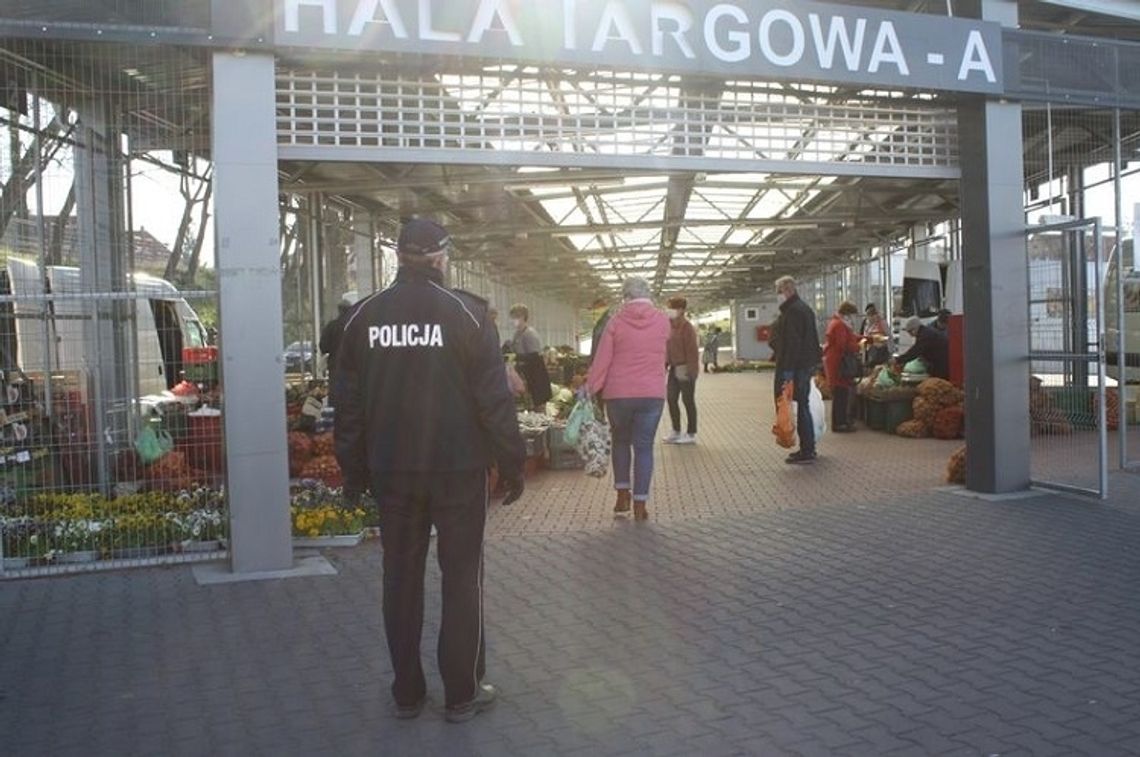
[930, 344]
[424, 411]
[799, 356]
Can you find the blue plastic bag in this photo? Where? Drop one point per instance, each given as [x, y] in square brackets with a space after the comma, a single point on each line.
[583, 411]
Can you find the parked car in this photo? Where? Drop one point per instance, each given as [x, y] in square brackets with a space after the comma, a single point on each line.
[299, 357]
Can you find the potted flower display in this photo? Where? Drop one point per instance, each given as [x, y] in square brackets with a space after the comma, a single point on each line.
[22, 541]
[200, 519]
[321, 518]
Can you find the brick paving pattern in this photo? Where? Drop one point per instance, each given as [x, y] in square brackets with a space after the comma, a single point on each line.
[765, 610]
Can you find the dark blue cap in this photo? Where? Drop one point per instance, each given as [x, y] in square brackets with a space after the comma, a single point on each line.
[420, 236]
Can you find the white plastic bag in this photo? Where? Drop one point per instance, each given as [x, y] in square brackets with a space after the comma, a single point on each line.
[594, 447]
[818, 411]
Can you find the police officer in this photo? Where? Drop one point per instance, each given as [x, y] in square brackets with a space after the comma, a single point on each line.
[424, 410]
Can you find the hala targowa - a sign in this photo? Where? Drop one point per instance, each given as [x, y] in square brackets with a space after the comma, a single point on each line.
[746, 38]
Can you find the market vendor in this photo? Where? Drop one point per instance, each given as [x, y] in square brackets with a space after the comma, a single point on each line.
[930, 345]
[529, 362]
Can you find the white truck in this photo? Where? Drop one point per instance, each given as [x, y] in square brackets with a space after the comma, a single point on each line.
[927, 287]
[42, 325]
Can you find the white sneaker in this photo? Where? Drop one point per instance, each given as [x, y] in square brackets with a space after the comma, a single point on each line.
[674, 438]
[687, 439]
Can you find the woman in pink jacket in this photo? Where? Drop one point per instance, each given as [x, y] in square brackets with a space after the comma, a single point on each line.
[629, 373]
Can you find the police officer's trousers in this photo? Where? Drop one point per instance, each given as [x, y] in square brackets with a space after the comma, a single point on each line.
[456, 503]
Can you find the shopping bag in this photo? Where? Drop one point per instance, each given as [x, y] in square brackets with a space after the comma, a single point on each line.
[582, 412]
[153, 445]
[785, 426]
[849, 367]
[594, 444]
[818, 411]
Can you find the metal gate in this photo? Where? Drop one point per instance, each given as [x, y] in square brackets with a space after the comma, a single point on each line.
[1068, 381]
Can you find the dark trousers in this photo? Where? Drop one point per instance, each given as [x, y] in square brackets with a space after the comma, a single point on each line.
[456, 503]
[686, 391]
[805, 428]
[840, 407]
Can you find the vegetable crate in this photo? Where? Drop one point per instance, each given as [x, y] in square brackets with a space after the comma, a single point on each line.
[560, 454]
[875, 413]
[535, 445]
[897, 412]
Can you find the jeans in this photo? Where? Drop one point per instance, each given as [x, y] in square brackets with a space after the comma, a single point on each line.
[633, 424]
[686, 391]
[805, 428]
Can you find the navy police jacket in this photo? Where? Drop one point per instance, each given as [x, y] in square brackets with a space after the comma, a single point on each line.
[421, 385]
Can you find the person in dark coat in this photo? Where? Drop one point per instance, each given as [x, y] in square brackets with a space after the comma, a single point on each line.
[529, 362]
[931, 345]
[798, 357]
[425, 410]
[334, 329]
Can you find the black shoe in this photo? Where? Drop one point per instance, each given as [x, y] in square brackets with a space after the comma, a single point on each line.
[800, 458]
[484, 700]
[410, 711]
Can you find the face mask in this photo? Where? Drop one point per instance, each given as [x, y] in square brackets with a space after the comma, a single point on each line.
[517, 323]
[781, 298]
[673, 314]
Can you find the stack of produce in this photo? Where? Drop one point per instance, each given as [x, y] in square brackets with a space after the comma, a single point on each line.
[1046, 418]
[938, 407]
[311, 448]
[956, 468]
[171, 472]
[1111, 408]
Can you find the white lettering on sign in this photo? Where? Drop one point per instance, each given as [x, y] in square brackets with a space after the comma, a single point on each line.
[405, 335]
[977, 58]
[616, 18]
[681, 18]
[741, 39]
[793, 56]
[837, 36]
[366, 14]
[888, 50]
[488, 11]
[293, 13]
[817, 41]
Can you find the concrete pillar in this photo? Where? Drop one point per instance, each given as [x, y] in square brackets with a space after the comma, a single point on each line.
[996, 292]
[249, 283]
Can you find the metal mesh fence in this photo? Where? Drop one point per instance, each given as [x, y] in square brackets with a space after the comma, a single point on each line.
[110, 397]
[1068, 383]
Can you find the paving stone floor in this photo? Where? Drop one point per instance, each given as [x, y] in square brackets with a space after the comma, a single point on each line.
[851, 608]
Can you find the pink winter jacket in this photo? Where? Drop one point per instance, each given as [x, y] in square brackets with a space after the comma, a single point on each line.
[630, 362]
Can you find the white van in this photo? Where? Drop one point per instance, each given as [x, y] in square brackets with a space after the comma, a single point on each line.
[927, 287]
[166, 324]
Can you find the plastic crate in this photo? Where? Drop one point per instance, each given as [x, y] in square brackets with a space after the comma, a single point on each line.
[535, 445]
[875, 413]
[560, 454]
[896, 412]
